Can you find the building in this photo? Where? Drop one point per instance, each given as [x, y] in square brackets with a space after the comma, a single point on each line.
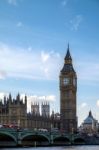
[35, 109]
[13, 111]
[68, 89]
[90, 125]
[45, 109]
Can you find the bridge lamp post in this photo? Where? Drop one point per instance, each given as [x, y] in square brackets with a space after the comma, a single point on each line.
[72, 132]
[18, 123]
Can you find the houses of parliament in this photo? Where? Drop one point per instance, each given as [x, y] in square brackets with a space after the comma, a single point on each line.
[14, 111]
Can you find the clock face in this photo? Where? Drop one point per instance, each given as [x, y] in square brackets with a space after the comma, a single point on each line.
[66, 81]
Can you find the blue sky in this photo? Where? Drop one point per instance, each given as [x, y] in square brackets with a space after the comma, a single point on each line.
[33, 41]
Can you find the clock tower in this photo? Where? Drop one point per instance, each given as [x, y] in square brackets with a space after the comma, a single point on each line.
[68, 88]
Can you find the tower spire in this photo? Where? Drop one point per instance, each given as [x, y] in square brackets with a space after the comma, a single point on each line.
[90, 113]
[68, 45]
[67, 62]
[68, 56]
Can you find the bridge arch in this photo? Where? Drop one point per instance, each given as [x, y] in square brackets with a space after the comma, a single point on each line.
[35, 139]
[61, 140]
[7, 139]
[79, 141]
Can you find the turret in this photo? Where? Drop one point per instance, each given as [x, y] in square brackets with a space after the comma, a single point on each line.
[25, 100]
[18, 98]
[10, 98]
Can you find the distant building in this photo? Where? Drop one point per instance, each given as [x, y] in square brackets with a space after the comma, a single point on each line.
[45, 109]
[90, 125]
[35, 109]
[13, 111]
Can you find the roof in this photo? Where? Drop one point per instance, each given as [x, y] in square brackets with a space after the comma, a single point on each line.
[68, 56]
[67, 68]
[89, 119]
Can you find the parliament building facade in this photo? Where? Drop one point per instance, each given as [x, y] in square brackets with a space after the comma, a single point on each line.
[13, 112]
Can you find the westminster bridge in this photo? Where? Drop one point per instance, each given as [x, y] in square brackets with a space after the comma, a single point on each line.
[12, 137]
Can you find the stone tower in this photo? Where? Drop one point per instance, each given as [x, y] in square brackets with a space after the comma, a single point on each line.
[45, 109]
[35, 109]
[68, 88]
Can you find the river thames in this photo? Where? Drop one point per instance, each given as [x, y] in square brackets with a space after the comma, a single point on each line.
[56, 148]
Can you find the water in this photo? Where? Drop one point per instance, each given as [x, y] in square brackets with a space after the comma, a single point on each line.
[56, 148]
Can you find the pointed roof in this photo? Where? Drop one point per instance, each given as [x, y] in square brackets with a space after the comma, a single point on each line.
[10, 97]
[90, 114]
[90, 119]
[18, 97]
[68, 56]
[68, 67]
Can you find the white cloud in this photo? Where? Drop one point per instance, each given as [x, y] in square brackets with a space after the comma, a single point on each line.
[30, 49]
[39, 99]
[35, 98]
[19, 24]
[2, 94]
[44, 56]
[97, 103]
[12, 2]
[51, 98]
[28, 63]
[47, 98]
[83, 105]
[75, 22]
[3, 74]
[88, 70]
[64, 3]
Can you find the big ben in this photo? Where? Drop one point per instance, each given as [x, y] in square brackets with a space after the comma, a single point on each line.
[68, 89]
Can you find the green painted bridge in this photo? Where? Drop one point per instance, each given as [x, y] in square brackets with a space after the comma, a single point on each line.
[12, 137]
